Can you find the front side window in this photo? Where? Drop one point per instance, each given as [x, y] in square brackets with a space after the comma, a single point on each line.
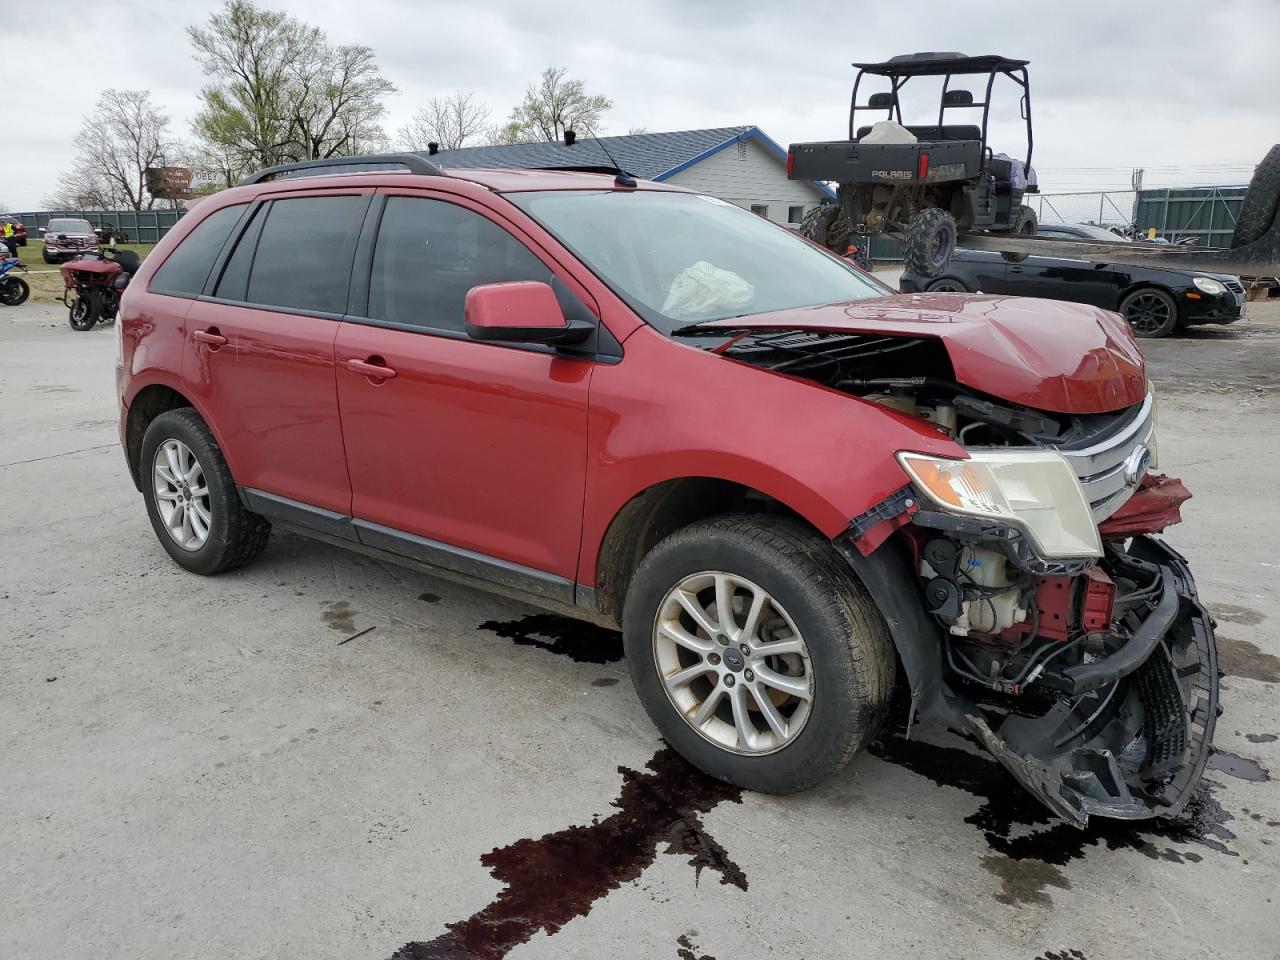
[429, 253]
[186, 269]
[303, 257]
[678, 258]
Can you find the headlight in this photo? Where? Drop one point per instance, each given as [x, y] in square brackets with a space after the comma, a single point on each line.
[1035, 491]
[1208, 285]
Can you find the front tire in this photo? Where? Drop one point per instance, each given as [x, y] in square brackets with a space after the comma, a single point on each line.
[83, 312]
[756, 654]
[191, 498]
[14, 291]
[946, 285]
[929, 242]
[1151, 313]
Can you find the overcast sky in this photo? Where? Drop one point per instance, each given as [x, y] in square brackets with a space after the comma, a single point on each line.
[1188, 90]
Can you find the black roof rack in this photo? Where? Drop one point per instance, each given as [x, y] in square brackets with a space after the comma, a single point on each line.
[407, 162]
[940, 64]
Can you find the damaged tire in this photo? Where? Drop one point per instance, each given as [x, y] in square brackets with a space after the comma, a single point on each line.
[756, 653]
[191, 499]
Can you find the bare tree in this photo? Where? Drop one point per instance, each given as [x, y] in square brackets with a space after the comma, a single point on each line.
[554, 104]
[450, 121]
[124, 135]
[280, 92]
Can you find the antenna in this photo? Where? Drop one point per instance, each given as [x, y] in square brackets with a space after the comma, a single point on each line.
[621, 178]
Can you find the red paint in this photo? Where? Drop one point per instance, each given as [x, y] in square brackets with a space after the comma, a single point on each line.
[1062, 357]
[1099, 601]
[528, 454]
[1053, 599]
[1156, 505]
[522, 304]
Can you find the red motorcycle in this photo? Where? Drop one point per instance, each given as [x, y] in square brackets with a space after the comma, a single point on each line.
[94, 284]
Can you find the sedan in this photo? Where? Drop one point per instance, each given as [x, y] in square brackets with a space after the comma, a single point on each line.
[1155, 301]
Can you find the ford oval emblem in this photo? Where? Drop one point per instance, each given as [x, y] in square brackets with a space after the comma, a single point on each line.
[1135, 466]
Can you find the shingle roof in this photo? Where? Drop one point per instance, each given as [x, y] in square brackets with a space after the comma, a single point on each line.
[646, 155]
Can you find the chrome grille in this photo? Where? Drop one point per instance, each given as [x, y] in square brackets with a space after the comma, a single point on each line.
[1110, 470]
[1235, 286]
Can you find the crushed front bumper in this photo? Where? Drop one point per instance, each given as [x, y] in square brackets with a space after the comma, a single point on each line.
[1133, 739]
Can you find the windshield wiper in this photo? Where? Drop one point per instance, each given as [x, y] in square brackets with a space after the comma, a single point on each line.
[703, 328]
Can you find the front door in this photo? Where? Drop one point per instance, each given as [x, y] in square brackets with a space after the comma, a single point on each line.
[474, 450]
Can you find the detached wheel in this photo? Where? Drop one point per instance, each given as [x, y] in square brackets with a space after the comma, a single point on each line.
[191, 498]
[14, 291]
[1151, 313]
[929, 242]
[947, 285]
[1261, 202]
[825, 224]
[1024, 225]
[756, 654]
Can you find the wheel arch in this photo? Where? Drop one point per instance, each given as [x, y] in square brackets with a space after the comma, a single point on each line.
[659, 510]
[1151, 285]
[143, 407]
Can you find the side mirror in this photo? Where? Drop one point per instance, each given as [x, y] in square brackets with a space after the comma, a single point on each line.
[522, 311]
[41, 229]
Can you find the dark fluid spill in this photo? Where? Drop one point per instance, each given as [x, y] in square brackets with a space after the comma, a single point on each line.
[605, 682]
[579, 641]
[686, 949]
[1260, 737]
[1236, 766]
[1028, 843]
[340, 616]
[429, 598]
[1240, 658]
[554, 878]
[1234, 613]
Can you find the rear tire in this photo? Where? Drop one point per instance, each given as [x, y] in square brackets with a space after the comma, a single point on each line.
[844, 656]
[222, 534]
[1261, 202]
[825, 224]
[929, 242]
[947, 285]
[1025, 225]
[1150, 312]
[14, 291]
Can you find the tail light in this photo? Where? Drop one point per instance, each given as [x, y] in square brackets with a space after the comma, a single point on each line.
[924, 166]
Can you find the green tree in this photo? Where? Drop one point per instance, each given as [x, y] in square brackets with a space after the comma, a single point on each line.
[553, 104]
[280, 92]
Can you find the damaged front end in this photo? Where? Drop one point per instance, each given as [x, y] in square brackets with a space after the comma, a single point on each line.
[1075, 648]
[1032, 606]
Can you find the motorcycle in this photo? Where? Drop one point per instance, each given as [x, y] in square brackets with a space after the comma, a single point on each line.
[13, 290]
[94, 283]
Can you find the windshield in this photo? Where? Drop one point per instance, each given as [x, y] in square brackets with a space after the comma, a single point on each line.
[678, 259]
[69, 226]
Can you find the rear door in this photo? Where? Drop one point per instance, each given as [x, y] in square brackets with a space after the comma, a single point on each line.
[260, 347]
[473, 453]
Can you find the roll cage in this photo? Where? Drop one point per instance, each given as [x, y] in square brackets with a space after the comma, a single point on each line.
[898, 70]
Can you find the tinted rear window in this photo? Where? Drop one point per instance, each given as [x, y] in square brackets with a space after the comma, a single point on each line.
[303, 259]
[184, 272]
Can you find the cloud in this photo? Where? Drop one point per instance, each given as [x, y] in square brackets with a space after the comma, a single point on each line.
[1167, 85]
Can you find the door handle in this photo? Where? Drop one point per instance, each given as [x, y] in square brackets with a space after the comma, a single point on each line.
[375, 368]
[1015, 269]
[211, 336]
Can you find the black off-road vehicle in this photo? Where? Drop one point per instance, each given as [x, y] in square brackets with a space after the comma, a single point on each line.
[923, 184]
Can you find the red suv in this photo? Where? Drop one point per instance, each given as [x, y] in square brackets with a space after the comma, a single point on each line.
[648, 408]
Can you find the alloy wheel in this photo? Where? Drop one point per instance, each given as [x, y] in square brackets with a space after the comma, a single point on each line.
[733, 663]
[182, 496]
[1147, 313]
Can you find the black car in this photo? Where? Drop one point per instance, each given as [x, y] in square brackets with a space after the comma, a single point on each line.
[1155, 301]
